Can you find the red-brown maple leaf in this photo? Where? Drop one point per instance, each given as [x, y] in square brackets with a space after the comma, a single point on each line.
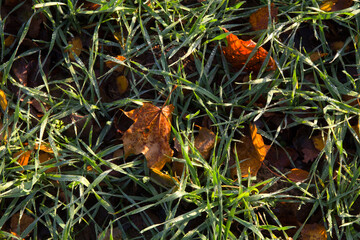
[150, 134]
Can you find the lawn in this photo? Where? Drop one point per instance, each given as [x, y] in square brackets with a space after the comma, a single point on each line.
[192, 119]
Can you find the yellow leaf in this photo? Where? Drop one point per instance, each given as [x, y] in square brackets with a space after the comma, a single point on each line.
[122, 84]
[3, 101]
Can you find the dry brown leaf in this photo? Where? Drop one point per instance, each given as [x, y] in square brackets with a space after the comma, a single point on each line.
[9, 40]
[111, 64]
[204, 143]
[313, 232]
[122, 84]
[238, 51]
[44, 157]
[316, 56]
[259, 19]
[251, 153]
[3, 101]
[22, 223]
[297, 175]
[150, 134]
[75, 48]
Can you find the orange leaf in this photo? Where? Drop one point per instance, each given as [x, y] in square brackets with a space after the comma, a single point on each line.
[76, 47]
[44, 157]
[251, 153]
[297, 175]
[23, 157]
[313, 232]
[259, 19]
[44, 147]
[150, 134]
[238, 51]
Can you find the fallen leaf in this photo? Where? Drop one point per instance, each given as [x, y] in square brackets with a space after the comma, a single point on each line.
[335, 5]
[91, 6]
[22, 157]
[150, 134]
[3, 101]
[22, 224]
[122, 84]
[120, 39]
[297, 175]
[162, 178]
[111, 64]
[204, 143]
[259, 19]
[9, 40]
[44, 147]
[316, 56]
[44, 157]
[238, 51]
[313, 232]
[319, 142]
[251, 153]
[75, 48]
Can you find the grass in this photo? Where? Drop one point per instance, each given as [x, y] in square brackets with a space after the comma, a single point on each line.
[95, 191]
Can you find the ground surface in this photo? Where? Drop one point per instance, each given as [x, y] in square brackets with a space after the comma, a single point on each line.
[179, 119]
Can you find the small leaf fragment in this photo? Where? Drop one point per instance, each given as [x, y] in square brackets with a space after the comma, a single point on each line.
[162, 178]
[9, 40]
[122, 84]
[111, 64]
[3, 101]
[335, 5]
[75, 48]
[319, 142]
[297, 175]
[317, 55]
